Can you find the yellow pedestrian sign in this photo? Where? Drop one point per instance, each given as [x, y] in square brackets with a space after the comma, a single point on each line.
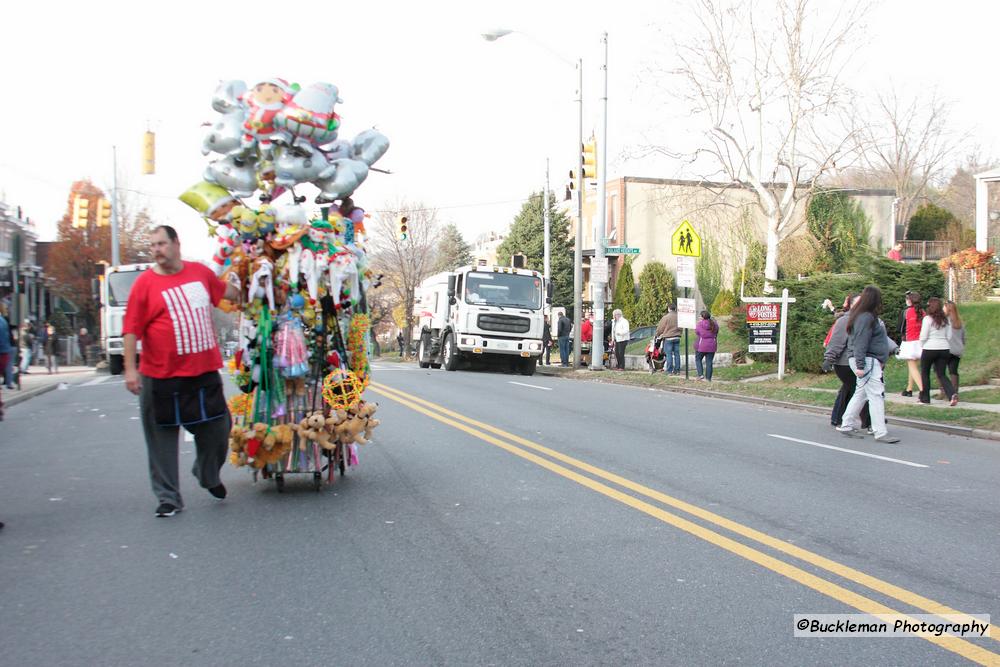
[685, 241]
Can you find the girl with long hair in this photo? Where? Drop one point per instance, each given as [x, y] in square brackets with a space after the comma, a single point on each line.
[956, 340]
[871, 348]
[707, 332]
[936, 351]
[909, 340]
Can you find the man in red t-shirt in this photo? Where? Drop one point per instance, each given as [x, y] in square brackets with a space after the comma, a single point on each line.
[170, 310]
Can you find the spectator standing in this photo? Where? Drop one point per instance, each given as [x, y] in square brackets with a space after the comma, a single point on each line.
[51, 348]
[586, 338]
[547, 341]
[870, 350]
[178, 370]
[83, 341]
[5, 349]
[8, 368]
[563, 330]
[836, 357]
[936, 350]
[706, 345]
[400, 341]
[671, 333]
[896, 253]
[956, 341]
[909, 340]
[620, 333]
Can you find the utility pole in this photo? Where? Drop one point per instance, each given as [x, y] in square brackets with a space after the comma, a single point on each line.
[115, 255]
[546, 222]
[597, 358]
[578, 245]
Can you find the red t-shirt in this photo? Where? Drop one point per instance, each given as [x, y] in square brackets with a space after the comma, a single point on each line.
[586, 331]
[172, 316]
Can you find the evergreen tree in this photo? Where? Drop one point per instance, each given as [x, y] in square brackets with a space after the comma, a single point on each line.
[527, 237]
[928, 222]
[452, 250]
[656, 290]
[625, 291]
[840, 231]
[708, 272]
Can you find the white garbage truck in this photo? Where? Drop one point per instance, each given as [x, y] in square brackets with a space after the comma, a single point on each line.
[115, 287]
[481, 313]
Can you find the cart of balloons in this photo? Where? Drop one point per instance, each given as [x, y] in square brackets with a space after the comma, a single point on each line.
[302, 361]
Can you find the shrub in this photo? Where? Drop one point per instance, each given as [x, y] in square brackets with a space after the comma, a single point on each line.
[840, 231]
[928, 222]
[625, 291]
[656, 290]
[708, 272]
[724, 303]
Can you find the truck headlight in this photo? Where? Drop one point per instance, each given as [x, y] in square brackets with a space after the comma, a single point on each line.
[535, 347]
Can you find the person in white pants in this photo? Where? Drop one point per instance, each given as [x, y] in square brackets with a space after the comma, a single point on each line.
[872, 347]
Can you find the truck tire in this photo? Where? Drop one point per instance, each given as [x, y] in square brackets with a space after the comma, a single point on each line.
[528, 365]
[449, 353]
[116, 364]
[424, 351]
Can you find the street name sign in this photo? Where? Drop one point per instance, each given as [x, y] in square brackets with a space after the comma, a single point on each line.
[620, 250]
[685, 241]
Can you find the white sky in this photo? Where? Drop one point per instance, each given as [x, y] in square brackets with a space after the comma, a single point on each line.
[470, 122]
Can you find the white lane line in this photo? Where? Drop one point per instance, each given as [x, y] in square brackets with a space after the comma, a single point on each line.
[533, 386]
[850, 451]
[103, 378]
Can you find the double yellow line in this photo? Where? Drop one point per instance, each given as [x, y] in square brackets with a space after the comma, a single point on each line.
[531, 451]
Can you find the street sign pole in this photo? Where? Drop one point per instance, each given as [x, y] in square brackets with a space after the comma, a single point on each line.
[685, 343]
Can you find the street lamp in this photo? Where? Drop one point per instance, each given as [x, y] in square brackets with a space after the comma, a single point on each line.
[493, 36]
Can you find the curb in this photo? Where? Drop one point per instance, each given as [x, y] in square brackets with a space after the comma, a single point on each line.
[23, 396]
[948, 429]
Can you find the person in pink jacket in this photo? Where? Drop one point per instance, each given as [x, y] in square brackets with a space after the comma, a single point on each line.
[707, 332]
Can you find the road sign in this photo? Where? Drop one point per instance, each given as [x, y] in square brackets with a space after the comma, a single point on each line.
[599, 269]
[620, 250]
[685, 272]
[687, 317]
[685, 241]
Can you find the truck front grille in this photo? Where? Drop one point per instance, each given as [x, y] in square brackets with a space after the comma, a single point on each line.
[505, 323]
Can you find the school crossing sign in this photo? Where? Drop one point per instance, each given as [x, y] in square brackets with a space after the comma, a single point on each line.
[685, 241]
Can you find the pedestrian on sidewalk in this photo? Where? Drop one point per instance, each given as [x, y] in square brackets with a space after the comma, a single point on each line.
[25, 345]
[671, 333]
[178, 381]
[871, 347]
[8, 368]
[547, 341]
[936, 351]
[5, 348]
[400, 341]
[586, 339]
[909, 340]
[707, 332]
[83, 341]
[620, 332]
[51, 348]
[564, 327]
[956, 341]
[836, 357]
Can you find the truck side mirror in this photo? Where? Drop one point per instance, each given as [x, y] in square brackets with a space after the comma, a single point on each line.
[548, 292]
[452, 281]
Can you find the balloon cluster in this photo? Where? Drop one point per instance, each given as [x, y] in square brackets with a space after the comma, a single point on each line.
[303, 275]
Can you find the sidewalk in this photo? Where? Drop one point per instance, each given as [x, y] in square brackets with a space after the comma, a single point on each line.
[39, 381]
[718, 390]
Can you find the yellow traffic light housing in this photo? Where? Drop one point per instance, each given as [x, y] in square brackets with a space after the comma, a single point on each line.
[590, 159]
[81, 209]
[103, 213]
[403, 228]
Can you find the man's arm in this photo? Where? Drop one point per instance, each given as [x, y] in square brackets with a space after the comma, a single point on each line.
[132, 380]
[232, 293]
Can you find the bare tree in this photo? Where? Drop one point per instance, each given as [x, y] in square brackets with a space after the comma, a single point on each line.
[910, 140]
[405, 263]
[766, 80]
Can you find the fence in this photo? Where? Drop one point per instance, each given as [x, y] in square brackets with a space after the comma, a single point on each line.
[960, 284]
[926, 250]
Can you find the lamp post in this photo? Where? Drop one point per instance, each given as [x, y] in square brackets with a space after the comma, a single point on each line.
[493, 36]
[597, 358]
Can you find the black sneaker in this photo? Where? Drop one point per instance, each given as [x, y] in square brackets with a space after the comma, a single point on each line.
[218, 491]
[907, 394]
[166, 509]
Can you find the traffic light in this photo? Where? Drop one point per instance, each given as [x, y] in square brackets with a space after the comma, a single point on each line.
[590, 159]
[103, 213]
[81, 207]
[149, 153]
[404, 232]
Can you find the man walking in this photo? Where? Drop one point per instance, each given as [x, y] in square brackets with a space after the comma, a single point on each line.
[563, 329]
[671, 336]
[83, 341]
[25, 345]
[547, 342]
[400, 342]
[178, 382]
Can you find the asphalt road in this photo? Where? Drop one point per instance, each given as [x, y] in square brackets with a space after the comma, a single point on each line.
[497, 519]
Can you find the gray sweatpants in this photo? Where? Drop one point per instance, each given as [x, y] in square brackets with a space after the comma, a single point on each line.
[211, 441]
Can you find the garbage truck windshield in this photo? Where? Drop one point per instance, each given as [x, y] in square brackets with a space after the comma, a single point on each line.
[503, 289]
[119, 285]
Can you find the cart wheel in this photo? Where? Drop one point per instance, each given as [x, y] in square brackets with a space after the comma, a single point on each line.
[317, 481]
[279, 482]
